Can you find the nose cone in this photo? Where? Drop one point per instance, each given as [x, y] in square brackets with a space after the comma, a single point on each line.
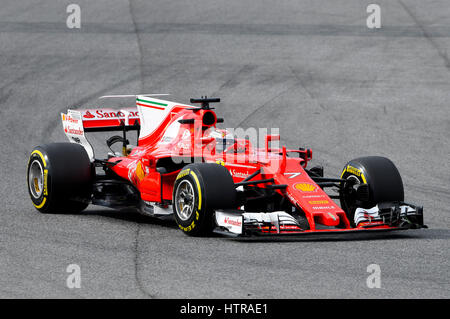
[328, 219]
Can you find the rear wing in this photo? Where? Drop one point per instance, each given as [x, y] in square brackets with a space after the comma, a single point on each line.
[147, 117]
[106, 119]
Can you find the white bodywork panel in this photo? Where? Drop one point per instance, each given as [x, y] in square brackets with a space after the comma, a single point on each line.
[232, 222]
[152, 113]
[153, 209]
[363, 214]
[276, 218]
[73, 128]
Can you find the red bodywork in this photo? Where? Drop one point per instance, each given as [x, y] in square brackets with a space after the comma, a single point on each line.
[195, 141]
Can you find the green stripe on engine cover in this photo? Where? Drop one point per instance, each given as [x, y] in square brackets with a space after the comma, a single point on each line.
[151, 102]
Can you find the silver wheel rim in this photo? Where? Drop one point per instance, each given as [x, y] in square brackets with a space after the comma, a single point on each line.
[185, 200]
[352, 203]
[354, 178]
[36, 179]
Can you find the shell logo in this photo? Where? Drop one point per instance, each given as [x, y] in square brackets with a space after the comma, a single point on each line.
[140, 172]
[305, 187]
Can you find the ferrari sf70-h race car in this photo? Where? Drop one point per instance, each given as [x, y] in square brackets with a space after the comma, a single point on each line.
[209, 179]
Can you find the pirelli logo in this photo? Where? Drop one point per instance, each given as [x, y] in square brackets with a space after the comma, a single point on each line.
[353, 170]
[184, 173]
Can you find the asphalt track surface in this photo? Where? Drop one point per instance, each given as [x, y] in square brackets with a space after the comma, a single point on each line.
[311, 68]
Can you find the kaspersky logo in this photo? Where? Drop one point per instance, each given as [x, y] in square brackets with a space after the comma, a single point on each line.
[305, 187]
[232, 222]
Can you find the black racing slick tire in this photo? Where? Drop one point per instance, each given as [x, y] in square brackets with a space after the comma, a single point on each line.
[383, 180]
[59, 178]
[199, 189]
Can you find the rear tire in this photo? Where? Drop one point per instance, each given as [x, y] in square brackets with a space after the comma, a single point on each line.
[59, 178]
[198, 190]
[381, 175]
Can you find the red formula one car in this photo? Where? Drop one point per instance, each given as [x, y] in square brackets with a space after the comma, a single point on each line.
[209, 179]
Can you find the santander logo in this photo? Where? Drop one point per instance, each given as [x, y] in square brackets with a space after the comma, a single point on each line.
[88, 115]
[109, 114]
[75, 131]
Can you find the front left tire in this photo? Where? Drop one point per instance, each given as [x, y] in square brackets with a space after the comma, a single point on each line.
[199, 189]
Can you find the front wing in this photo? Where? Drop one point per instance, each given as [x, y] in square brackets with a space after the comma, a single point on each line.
[381, 218]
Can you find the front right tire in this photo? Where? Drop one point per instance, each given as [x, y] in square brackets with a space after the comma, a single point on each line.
[382, 177]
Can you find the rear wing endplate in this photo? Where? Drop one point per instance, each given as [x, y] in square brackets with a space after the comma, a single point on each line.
[74, 130]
